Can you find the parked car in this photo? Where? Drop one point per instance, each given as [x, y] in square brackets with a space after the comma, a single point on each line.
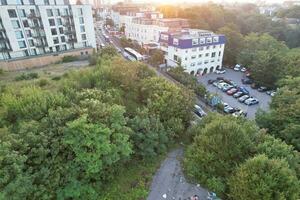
[232, 91]
[243, 98]
[251, 101]
[221, 85]
[238, 94]
[199, 111]
[262, 89]
[239, 113]
[243, 69]
[244, 90]
[227, 87]
[222, 71]
[230, 110]
[216, 83]
[210, 81]
[237, 67]
[273, 94]
[247, 81]
[233, 83]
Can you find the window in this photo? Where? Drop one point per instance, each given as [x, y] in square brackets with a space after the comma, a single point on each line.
[32, 2]
[25, 23]
[200, 48]
[49, 13]
[25, 53]
[19, 2]
[219, 53]
[207, 54]
[209, 40]
[82, 29]
[205, 62]
[28, 33]
[51, 22]
[12, 13]
[80, 11]
[15, 24]
[213, 54]
[19, 35]
[22, 44]
[56, 12]
[207, 47]
[81, 21]
[193, 64]
[194, 49]
[193, 57]
[85, 44]
[64, 47]
[31, 43]
[215, 39]
[195, 42]
[61, 30]
[200, 55]
[83, 36]
[63, 39]
[55, 40]
[46, 2]
[32, 11]
[3, 2]
[22, 13]
[59, 22]
[202, 40]
[214, 46]
[53, 31]
[199, 63]
[175, 41]
[34, 52]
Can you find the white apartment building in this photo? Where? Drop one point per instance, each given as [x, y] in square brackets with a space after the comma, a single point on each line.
[38, 27]
[197, 51]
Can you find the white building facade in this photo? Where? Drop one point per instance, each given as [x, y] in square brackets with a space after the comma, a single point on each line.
[197, 51]
[38, 27]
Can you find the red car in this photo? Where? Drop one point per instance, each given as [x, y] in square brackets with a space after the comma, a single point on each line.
[232, 91]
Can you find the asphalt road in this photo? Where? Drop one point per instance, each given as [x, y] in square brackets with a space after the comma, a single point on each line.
[169, 181]
[230, 74]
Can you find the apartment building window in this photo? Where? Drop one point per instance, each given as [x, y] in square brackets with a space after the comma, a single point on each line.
[31, 2]
[200, 48]
[22, 44]
[63, 39]
[81, 20]
[28, 33]
[3, 2]
[46, 2]
[213, 54]
[85, 44]
[193, 57]
[80, 11]
[49, 13]
[25, 23]
[56, 12]
[19, 2]
[32, 11]
[200, 55]
[22, 13]
[195, 42]
[31, 43]
[61, 30]
[55, 40]
[194, 49]
[53, 31]
[208, 47]
[12, 13]
[15, 24]
[205, 62]
[64, 47]
[214, 46]
[51, 22]
[25, 53]
[19, 35]
[57, 48]
[59, 22]
[83, 36]
[199, 63]
[207, 54]
[219, 53]
[193, 64]
[82, 29]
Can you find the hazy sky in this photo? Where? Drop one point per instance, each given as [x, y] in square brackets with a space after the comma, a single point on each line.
[196, 1]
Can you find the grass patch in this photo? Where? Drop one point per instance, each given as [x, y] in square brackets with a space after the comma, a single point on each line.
[132, 182]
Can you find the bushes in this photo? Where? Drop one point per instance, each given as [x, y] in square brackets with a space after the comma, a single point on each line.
[66, 59]
[27, 76]
[1, 72]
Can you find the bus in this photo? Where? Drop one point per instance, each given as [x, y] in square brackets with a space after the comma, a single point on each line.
[132, 55]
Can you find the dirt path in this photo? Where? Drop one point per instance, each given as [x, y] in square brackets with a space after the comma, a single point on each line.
[170, 183]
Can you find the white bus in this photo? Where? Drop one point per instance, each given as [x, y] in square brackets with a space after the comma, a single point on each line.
[132, 55]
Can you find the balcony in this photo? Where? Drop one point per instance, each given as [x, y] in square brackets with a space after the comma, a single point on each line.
[36, 26]
[71, 40]
[33, 16]
[5, 49]
[68, 24]
[39, 35]
[69, 32]
[67, 15]
[40, 44]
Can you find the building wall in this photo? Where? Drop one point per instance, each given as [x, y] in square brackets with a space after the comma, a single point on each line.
[55, 37]
[39, 61]
[197, 60]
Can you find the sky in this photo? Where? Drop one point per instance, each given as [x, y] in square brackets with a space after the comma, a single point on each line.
[199, 1]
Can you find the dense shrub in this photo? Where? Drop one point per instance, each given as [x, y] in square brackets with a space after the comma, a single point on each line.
[27, 76]
[66, 59]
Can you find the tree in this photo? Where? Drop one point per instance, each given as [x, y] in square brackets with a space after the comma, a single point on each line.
[157, 57]
[264, 178]
[263, 55]
[282, 120]
[234, 43]
[220, 144]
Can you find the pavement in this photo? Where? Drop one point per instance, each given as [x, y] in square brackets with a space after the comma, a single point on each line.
[230, 74]
[169, 181]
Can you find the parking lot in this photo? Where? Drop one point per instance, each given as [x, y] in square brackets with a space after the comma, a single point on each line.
[264, 99]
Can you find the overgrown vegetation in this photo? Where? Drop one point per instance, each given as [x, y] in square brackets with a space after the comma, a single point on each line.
[27, 76]
[73, 141]
[70, 58]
